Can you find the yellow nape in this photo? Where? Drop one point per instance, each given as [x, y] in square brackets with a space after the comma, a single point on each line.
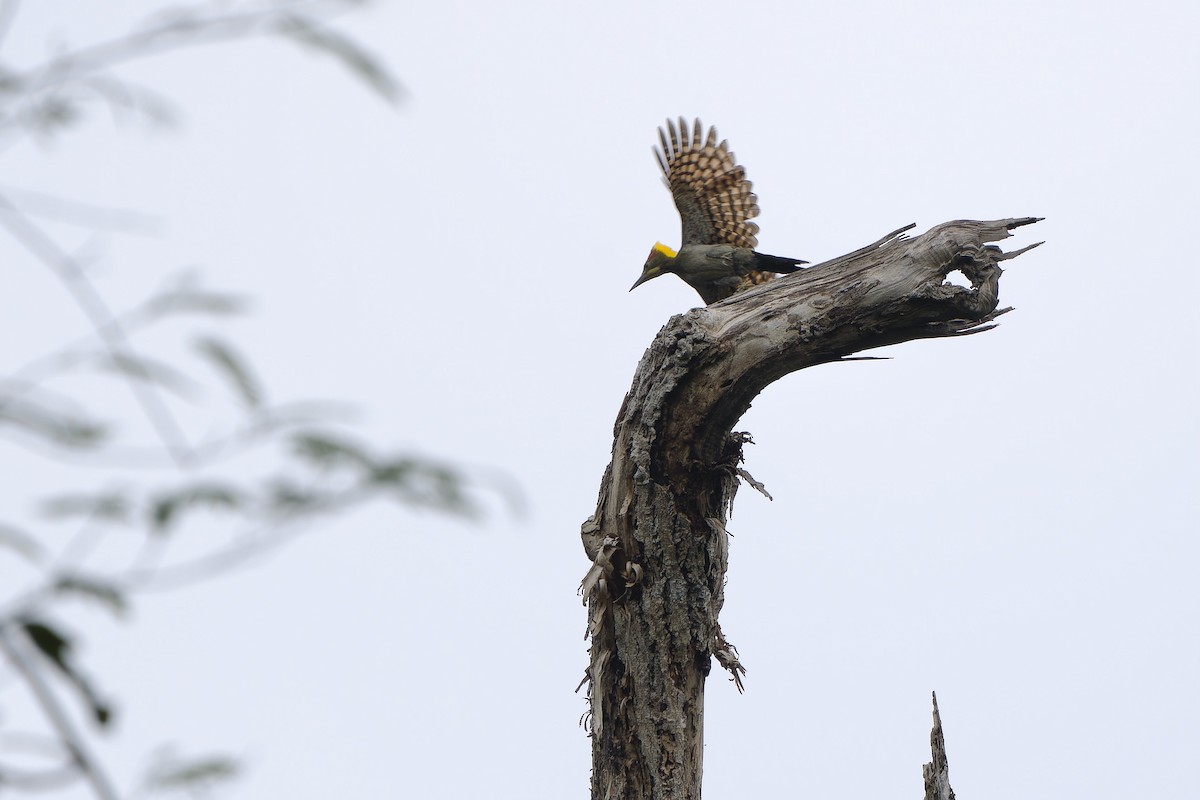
[666, 251]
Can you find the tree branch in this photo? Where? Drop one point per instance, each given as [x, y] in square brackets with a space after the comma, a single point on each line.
[103, 321]
[17, 655]
[657, 540]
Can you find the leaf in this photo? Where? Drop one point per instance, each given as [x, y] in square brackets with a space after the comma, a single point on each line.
[202, 302]
[165, 509]
[235, 368]
[92, 588]
[183, 293]
[114, 506]
[446, 490]
[52, 644]
[141, 368]
[424, 483]
[20, 542]
[329, 451]
[352, 56]
[57, 648]
[395, 473]
[290, 500]
[163, 513]
[57, 426]
[194, 774]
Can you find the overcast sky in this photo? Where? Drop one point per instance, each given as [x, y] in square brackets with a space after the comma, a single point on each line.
[1009, 519]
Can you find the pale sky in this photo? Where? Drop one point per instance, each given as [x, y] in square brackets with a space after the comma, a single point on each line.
[1009, 519]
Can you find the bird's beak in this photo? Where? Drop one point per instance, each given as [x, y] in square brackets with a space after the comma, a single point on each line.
[653, 272]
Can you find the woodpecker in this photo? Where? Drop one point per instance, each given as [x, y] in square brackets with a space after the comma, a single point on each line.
[717, 257]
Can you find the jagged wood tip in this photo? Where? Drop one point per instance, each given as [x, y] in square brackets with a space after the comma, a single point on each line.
[937, 772]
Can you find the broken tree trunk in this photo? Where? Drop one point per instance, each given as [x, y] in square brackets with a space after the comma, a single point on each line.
[937, 772]
[657, 540]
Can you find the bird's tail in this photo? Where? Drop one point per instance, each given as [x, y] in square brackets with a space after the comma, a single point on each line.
[778, 264]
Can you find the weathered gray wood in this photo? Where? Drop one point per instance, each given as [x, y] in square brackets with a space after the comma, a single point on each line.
[657, 540]
[937, 772]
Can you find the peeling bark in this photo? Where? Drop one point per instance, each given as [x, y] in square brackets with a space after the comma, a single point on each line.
[657, 540]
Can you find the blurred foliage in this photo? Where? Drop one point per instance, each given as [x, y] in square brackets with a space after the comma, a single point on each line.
[303, 466]
[170, 773]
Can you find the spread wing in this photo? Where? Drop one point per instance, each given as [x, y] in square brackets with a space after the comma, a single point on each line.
[710, 189]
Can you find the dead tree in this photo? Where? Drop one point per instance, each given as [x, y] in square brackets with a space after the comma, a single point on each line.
[657, 541]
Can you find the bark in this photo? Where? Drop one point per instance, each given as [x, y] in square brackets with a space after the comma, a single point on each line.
[657, 540]
[937, 772]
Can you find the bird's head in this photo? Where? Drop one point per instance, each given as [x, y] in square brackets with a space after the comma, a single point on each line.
[658, 263]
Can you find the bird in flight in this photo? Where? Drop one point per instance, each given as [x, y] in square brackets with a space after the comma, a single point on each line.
[717, 257]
